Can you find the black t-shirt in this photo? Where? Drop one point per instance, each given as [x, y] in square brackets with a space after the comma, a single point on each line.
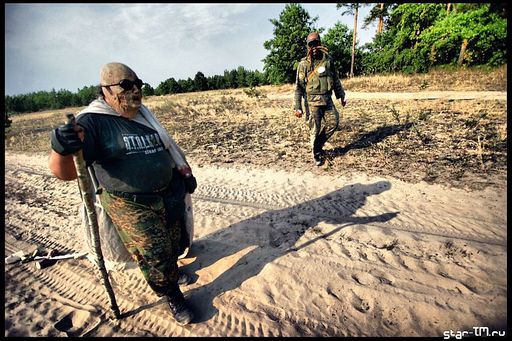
[127, 156]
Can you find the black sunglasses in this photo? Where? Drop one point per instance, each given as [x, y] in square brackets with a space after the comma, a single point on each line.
[314, 43]
[127, 84]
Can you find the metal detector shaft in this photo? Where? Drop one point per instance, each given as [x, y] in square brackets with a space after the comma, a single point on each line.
[86, 189]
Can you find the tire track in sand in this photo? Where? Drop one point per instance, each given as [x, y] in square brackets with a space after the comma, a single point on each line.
[340, 212]
[77, 282]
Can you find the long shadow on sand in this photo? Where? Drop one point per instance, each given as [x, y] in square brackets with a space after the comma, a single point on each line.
[273, 234]
[369, 139]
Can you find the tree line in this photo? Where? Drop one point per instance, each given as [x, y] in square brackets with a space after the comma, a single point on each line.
[43, 100]
[410, 38]
[47, 100]
[236, 78]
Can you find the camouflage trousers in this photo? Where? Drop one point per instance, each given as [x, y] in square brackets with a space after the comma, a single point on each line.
[323, 121]
[150, 230]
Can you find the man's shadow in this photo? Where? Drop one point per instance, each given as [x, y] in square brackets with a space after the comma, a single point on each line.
[368, 139]
[273, 234]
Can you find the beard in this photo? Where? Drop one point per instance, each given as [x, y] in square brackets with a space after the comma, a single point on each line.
[129, 101]
[126, 104]
[316, 52]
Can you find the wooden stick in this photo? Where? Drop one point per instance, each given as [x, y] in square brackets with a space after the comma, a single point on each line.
[86, 189]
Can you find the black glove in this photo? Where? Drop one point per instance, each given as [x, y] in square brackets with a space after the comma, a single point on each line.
[190, 183]
[65, 140]
[188, 179]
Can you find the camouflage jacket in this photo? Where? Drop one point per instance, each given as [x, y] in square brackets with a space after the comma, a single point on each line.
[317, 83]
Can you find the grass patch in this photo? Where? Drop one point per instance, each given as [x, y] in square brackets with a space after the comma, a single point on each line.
[459, 143]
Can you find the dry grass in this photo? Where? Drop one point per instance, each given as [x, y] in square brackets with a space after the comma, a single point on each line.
[435, 80]
[461, 143]
[31, 132]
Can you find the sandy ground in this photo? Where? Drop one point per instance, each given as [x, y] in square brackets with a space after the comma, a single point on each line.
[275, 253]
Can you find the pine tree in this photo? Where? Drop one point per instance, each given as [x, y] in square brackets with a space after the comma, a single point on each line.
[289, 43]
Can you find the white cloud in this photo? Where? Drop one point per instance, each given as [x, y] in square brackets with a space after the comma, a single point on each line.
[63, 46]
[178, 23]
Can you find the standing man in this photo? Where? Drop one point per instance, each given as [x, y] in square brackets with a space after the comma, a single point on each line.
[316, 80]
[143, 174]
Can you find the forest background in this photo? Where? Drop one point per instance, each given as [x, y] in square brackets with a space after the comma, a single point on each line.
[411, 38]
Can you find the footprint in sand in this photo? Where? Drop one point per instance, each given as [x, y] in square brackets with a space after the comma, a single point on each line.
[360, 304]
[367, 279]
[75, 323]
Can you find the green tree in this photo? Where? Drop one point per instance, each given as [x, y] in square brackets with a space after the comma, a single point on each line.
[216, 82]
[379, 12]
[187, 85]
[252, 79]
[397, 48]
[147, 90]
[200, 82]
[288, 45]
[169, 86]
[87, 94]
[162, 89]
[8, 104]
[418, 36]
[337, 39]
[352, 9]
[241, 77]
[230, 79]
[65, 98]
[473, 35]
[174, 86]
[262, 77]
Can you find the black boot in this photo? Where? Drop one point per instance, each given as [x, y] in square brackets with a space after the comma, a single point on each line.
[183, 278]
[319, 159]
[179, 308]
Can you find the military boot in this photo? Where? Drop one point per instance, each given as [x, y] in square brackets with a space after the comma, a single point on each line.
[319, 159]
[179, 308]
[183, 278]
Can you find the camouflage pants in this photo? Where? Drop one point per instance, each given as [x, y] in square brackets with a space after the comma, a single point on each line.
[323, 122]
[150, 230]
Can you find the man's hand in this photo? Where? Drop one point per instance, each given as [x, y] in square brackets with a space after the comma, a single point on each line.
[65, 139]
[189, 179]
[343, 102]
[298, 113]
[190, 184]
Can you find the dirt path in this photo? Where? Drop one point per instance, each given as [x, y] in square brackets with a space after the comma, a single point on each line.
[276, 253]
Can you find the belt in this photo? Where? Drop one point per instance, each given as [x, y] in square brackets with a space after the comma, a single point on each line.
[141, 198]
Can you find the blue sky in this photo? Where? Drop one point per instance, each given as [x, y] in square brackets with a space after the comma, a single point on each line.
[63, 46]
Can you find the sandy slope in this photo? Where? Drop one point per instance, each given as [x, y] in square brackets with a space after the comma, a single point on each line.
[276, 253]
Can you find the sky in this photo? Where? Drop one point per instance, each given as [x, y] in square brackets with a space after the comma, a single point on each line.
[63, 46]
